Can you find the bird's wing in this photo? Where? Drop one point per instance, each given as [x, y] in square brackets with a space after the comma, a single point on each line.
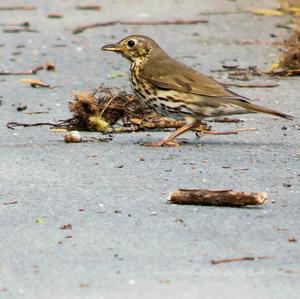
[171, 74]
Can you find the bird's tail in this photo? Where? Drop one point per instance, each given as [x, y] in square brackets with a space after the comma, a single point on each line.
[256, 108]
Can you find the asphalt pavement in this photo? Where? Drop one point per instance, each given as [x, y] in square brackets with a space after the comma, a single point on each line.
[92, 220]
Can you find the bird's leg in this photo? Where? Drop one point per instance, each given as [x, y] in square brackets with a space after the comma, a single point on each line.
[170, 139]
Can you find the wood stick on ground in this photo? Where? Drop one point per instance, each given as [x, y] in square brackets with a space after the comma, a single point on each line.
[80, 29]
[12, 124]
[251, 85]
[22, 73]
[199, 133]
[246, 258]
[17, 7]
[216, 197]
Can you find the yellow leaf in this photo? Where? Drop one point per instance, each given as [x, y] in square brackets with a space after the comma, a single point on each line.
[274, 66]
[293, 9]
[99, 123]
[58, 130]
[35, 83]
[39, 220]
[268, 12]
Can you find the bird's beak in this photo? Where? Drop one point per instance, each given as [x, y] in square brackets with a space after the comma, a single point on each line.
[111, 47]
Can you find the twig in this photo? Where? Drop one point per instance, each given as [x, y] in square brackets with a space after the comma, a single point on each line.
[23, 24]
[228, 120]
[217, 197]
[106, 105]
[80, 29]
[18, 7]
[11, 125]
[227, 132]
[10, 203]
[252, 85]
[33, 71]
[37, 112]
[228, 70]
[88, 7]
[17, 30]
[246, 258]
[226, 12]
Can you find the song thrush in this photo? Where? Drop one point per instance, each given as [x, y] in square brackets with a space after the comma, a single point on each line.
[175, 90]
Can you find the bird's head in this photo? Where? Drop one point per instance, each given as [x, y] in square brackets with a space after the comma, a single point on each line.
[136, 48]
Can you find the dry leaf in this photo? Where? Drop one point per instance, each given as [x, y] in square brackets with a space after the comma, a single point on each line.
[99, 123]
[36, 83]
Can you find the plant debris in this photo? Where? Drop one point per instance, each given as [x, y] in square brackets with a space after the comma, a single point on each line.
[80, 29]
[217, 197]
[21, 107]
[18, 7]
[292, 239]
[251, 85]
[49, 66]
[246, 258]
[110, 111]
[289, 62]
[66, 226]
[10, 203]
[88, 7]
[36, 83]
[55, 16]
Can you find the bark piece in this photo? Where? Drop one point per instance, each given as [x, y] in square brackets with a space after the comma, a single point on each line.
[217, 197]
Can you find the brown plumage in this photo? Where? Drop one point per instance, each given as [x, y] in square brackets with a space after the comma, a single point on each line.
[176, 90]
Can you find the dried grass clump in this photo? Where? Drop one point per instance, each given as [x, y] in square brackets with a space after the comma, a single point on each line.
[105, 110]
[290, 59]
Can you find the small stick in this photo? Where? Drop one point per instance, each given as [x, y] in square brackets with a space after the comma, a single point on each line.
[219, 133]
[36, 112]
[20, 7]
[17, 30]
[228, 120]
[252, 85]
[33, 71]
[80, 29]
[246, 258]
[88, 7]
[23, 24]
[216, 197]
[226, 12]
[10, 203]
[12, 124]
[227, 132]
[228, 70]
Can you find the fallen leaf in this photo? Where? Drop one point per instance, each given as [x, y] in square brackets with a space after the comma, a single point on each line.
[268, 12]
[36, 83]
[39, 220]
[100, 124]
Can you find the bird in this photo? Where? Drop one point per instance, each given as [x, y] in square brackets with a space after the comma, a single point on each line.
[175, 90]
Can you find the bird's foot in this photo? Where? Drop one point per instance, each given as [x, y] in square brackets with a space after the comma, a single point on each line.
[161, 143]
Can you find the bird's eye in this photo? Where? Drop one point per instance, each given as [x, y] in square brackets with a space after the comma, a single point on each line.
[131, 43]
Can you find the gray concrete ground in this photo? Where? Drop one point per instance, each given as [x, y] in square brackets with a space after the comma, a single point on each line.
[126, 241]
